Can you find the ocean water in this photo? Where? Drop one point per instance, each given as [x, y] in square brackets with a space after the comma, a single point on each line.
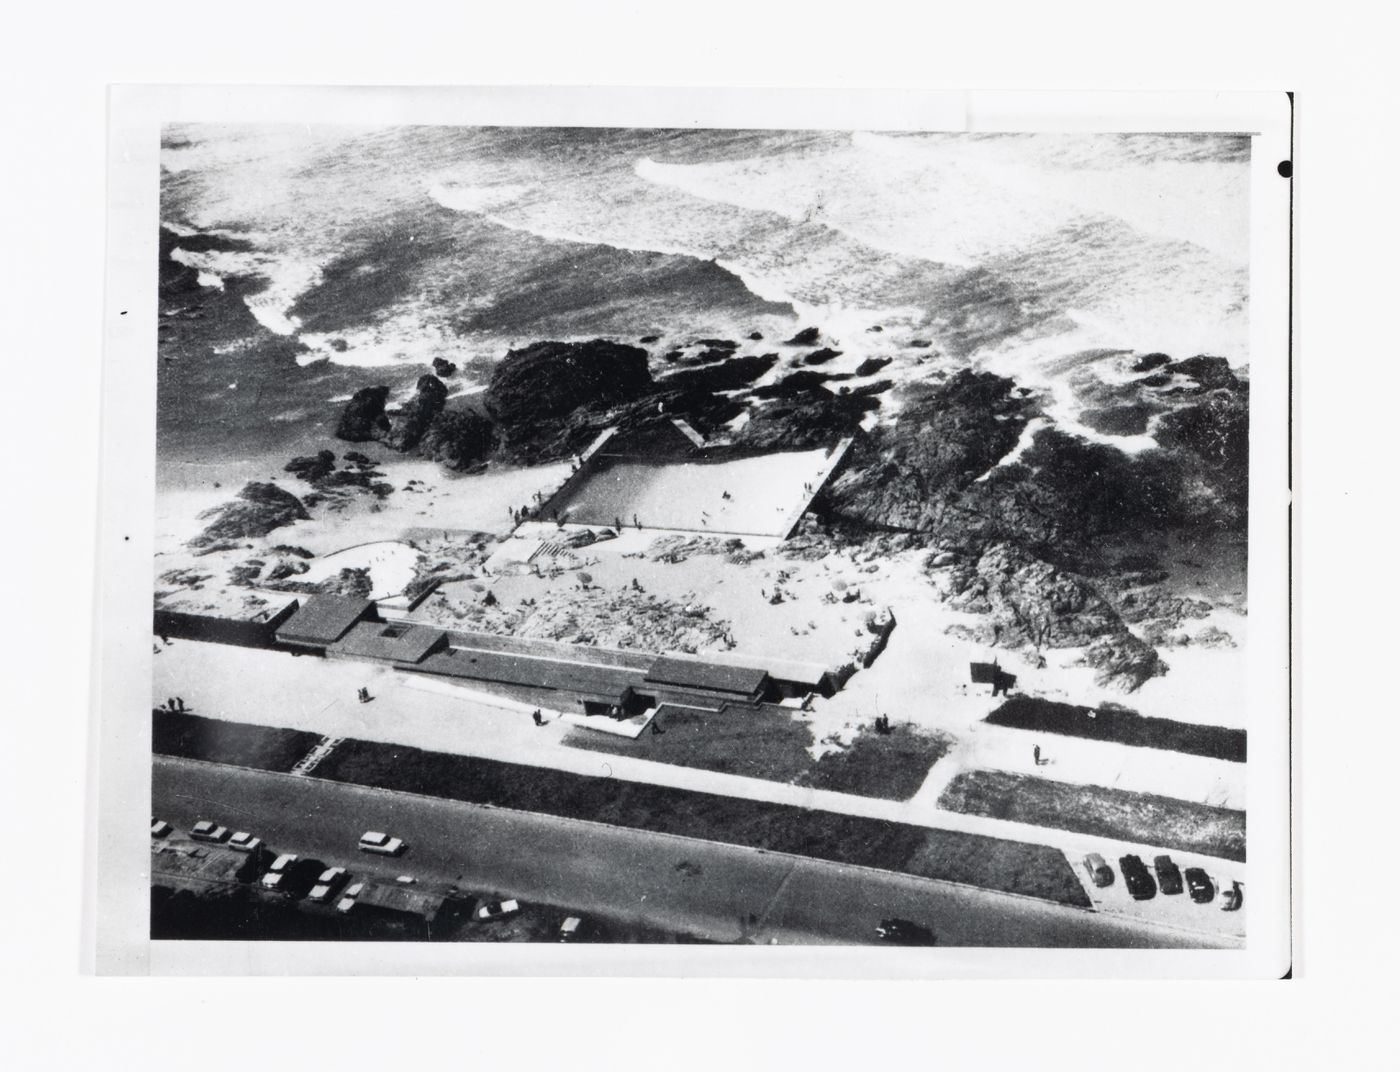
[333, 257]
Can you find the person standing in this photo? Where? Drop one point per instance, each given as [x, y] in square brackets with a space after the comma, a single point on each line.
[1037, 755]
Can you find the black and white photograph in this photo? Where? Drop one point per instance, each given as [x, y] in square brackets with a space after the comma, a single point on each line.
[747, 536]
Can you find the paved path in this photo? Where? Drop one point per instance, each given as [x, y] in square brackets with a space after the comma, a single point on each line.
[718, 891]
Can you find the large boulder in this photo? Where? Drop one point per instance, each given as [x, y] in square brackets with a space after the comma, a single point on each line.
[363, 418]
[313, 467]
[258, 510]
[407, 426]
[548, 380]
[458, 439]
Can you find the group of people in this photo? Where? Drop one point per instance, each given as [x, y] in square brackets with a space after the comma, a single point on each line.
[364, 695]
[174, 703]
[882, 725]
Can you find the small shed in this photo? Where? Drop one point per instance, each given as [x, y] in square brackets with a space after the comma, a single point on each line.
[992, 674]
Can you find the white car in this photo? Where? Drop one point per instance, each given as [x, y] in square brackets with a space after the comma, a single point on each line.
[160, 828]
[497, 910]
[207, 830]
[348, 901]
[380, 843]
[277, 873]
[571, 929]
[332, 878]
[245, 842]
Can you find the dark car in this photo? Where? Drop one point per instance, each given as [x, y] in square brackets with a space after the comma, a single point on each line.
[1232, 900]
[1168, 874]
[1137, 878]
[1202, 889]
[1099, 871]
[904, 932]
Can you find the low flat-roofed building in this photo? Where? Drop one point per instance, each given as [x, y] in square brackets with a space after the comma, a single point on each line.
[593, 686]
[404, 900]
[401, 643]
[693, 680]
[196, 867]
[792, 677]
[324, 619]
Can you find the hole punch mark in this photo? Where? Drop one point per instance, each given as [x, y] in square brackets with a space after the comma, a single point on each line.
[1285, 168]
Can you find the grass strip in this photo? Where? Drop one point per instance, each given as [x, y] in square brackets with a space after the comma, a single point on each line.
[1091, 809]
[1121, 726]
[990, 863]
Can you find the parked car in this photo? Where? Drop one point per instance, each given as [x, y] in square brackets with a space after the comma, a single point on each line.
[1099, 871]
[1232, 900]
[208, 830]
[347, 902]
[160, 828]
[904, 932]
[276, 877]
[571, 930]
[497, 910]
[1168, 874]
[1202, 889]
[380, 843]
[329, 881]
[1137, 878]
[245, 842]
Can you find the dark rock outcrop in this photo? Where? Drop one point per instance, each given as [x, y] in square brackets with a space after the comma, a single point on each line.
[363, 418]
[805, 422]
[805, 337]
[458, 439]
[729, 375]
[1148, 362]
[1210, 373]
[549, 380]
[944, 438]
[1034, 604]
[821, 357]
[407, 426]
[258, 510]
[872, 365]
[313, 467]
[443, 367]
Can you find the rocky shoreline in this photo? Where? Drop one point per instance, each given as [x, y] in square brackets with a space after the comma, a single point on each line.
[1053, 540]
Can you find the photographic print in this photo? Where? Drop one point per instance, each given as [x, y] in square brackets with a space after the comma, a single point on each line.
[622, 535]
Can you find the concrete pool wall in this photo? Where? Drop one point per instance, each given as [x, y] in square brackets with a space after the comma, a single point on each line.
[761, 495]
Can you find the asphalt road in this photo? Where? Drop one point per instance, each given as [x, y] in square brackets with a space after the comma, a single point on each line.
[720, 892]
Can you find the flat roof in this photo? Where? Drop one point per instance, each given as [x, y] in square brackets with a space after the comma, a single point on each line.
[204, 863]
[691, 673]
[802, 673]
[515, 669]
[400, 642]
[324, 619]
[552, 649]
[399, 899]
